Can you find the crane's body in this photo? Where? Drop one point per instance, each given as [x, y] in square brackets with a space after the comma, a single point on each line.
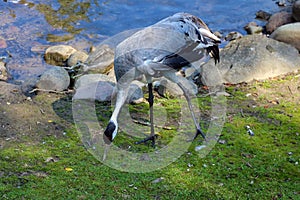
[160, 50]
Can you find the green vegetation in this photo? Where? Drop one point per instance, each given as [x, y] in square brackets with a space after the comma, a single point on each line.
[240, 166]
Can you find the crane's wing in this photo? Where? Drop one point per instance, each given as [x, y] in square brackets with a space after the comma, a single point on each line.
[174, 42]
[199, 40]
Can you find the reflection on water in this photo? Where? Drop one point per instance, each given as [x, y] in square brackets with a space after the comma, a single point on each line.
[28, 24]
[66, 15]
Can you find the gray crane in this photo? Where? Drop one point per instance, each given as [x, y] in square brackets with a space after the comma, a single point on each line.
[156, 51]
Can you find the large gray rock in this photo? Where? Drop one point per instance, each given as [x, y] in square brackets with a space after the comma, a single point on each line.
[164, 85]
[278, 19]
[289, 33]
[56, 79]
[91, 78]
[251, 57]
[94, 86]
[59, 54]
[100, 61]
[101, 88]
[296, 11]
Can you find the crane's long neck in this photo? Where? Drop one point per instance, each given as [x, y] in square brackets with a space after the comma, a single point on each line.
[112, 127]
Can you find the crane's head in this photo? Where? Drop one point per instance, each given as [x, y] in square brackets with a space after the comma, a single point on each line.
[110, 132]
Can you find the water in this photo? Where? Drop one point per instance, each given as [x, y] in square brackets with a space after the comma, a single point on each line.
[26, 26]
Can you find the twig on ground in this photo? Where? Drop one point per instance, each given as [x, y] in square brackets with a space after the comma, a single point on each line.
[148, 124]
[50, 91]
[290, 90]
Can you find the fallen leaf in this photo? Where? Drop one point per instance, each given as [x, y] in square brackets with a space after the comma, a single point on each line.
[68, 169]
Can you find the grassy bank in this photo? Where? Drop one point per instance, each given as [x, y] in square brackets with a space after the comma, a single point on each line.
[264, 166]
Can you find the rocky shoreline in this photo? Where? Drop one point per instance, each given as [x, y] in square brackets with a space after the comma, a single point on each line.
[264, 53]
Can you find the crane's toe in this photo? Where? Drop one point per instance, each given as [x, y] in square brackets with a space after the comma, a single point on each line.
[199, 132]
[151, 138]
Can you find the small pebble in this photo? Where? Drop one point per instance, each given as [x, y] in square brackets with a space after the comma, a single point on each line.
[222, 141]
[198, 148]
[190, 165]
[233, 36]
[249, 131]
[158, 180]
[263, 15]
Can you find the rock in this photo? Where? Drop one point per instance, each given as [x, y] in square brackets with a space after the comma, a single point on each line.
[251, 57]
[135, 94]
[253, 28]
[160, 87]
[56, 78]
[28, 84]
[263, 15]
[296, 11]
[164, 85]
[218, 34]
[78, 56]
[289, 33]
[101, 88]
[158, 180]
[11, 93]
[112, 76]
[98, 90]
[281, 3]
[100, 61]
[278, 19]
[233, 36]
[3, 71]
[91, 78]
[58, 55]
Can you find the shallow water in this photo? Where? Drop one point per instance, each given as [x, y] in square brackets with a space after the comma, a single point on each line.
[28, 26]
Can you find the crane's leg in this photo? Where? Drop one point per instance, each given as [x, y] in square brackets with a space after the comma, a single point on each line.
[188, 99]
[172, 77]
[152, 136]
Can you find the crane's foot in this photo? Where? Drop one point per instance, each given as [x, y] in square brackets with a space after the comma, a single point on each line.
[199, 132]
[151, 137]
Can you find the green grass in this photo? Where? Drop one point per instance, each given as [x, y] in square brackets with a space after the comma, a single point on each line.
[265, 166]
